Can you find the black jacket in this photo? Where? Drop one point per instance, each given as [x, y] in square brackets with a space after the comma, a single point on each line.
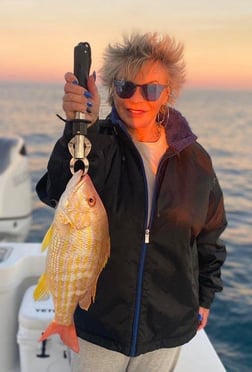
[149, 293]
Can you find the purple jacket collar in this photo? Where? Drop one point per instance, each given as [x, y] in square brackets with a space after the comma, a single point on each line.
[179, 133]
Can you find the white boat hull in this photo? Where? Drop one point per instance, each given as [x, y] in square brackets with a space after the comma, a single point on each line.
[15, 190]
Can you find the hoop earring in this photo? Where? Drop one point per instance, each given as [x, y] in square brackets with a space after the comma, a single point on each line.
[163, 115]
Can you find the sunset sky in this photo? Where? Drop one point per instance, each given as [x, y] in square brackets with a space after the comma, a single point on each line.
[37, 37]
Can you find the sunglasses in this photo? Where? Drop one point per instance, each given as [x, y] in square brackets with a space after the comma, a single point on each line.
[150, 92]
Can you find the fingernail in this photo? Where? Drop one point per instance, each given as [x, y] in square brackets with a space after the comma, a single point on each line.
[89, 111]
[87, 94]
[200, 317]
[75, 82]
[89, 104]
[94, 75]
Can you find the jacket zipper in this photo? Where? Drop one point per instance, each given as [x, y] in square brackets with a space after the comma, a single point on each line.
[147, 236]
[140, 271]
[142, 258]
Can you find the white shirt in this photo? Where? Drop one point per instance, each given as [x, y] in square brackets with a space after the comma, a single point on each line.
[151, 153]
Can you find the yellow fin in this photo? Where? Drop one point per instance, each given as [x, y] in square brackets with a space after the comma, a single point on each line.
[47, 238]
[41, 291]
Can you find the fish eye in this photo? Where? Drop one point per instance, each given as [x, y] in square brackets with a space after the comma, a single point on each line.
[91, 201]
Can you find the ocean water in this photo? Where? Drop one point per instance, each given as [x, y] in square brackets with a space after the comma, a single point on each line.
[222, 121]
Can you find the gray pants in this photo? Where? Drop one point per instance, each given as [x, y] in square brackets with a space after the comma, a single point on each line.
[94, 358]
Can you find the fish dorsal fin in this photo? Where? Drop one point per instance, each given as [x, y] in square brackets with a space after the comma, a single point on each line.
[47, 238]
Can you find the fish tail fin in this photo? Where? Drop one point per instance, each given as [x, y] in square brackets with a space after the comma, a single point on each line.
[41, 291]
[67, 334]
[47, 238]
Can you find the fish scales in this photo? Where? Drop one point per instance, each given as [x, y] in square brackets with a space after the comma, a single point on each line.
[78, 249]
[69, 271]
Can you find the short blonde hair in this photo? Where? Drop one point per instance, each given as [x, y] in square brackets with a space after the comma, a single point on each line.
[124, 60]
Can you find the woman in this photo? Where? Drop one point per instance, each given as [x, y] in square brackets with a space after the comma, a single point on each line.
[164, 205]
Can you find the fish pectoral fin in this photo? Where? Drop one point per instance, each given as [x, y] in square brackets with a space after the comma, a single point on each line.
[86, 301]
[47, 238]
[41, 292]
[88, 298]
[67, 334]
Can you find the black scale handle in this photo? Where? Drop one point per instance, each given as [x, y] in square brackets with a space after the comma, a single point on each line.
[82, 64]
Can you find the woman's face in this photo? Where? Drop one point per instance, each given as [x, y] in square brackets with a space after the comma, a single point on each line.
[137, 112]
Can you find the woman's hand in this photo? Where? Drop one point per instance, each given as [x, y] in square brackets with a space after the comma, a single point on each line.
[203, 317]
[78, 99]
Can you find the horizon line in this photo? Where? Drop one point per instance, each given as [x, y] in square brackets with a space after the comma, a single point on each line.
[187, 85]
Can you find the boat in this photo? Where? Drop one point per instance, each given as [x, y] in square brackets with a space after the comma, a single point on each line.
[23, 320]
[15, 190]
[21, 263]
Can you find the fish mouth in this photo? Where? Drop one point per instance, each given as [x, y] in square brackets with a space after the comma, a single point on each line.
[79, 176]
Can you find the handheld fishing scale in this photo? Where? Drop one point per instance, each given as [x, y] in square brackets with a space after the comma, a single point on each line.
[80, 146]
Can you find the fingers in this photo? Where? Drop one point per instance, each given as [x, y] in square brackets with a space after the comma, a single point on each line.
[92, 88]
[203, 317]
[78, 99]
[70, 77]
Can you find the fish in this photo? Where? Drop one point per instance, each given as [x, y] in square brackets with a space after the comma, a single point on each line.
[78, 248]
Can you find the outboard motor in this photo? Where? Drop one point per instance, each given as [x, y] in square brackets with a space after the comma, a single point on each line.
[15, 190]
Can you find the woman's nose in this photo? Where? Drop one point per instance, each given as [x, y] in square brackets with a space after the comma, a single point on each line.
[138, 95]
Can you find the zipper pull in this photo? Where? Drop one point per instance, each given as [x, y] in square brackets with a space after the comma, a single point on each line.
[147, 236]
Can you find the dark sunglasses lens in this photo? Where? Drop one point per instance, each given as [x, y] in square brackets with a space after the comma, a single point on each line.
[124, 89]
[152, 92]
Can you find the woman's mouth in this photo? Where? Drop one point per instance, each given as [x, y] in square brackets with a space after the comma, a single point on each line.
[135, 112]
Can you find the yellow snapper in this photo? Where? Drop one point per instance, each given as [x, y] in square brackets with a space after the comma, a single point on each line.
[78, 249]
